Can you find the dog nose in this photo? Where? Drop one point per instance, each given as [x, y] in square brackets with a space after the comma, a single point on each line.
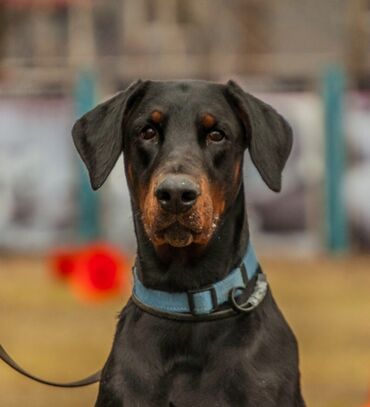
[177, 193]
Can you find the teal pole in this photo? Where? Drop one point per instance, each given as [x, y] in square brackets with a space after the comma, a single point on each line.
[85, 99]
[336, 221]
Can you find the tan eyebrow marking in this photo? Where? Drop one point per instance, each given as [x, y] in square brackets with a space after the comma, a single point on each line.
[156, 116]
[208, 120]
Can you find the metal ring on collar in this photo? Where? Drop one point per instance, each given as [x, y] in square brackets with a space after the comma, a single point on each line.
[254, 300]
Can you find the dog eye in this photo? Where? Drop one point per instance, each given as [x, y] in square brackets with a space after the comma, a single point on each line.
[215, 136]
[148, 133]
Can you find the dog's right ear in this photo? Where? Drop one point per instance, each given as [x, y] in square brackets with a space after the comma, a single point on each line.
[98, 134]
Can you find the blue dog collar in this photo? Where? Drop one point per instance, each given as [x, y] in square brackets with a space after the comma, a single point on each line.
[198, 302]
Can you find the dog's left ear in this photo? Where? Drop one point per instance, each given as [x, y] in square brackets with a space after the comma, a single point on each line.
[98, 135]
[269, 135]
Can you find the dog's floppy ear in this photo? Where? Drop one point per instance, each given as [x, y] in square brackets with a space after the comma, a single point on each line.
[270, 137]
[98, 134]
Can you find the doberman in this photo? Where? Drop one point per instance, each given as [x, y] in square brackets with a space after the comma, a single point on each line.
[183, 144]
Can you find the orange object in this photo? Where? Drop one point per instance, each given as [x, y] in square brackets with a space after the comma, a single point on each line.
[367, 404]
[94, 272]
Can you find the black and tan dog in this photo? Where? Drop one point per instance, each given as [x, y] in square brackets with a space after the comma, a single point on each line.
[183, 145]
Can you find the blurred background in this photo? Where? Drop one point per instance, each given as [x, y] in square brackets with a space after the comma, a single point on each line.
[65, 251]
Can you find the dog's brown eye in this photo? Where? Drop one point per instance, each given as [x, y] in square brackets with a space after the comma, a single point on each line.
[215, 136]
[148, 133]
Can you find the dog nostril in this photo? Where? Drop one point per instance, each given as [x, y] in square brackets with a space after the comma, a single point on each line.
[188, 196]
[163, 196]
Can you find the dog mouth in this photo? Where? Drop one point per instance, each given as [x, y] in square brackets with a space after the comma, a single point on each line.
[179, 230]
[177, 235]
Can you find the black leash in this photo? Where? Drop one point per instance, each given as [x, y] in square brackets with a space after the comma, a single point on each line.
[258, 289]
[94, 378]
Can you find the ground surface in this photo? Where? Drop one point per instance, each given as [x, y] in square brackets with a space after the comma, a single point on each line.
[326, 301]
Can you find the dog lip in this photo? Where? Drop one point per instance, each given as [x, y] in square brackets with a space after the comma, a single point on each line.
[177, 235]
[178, 223]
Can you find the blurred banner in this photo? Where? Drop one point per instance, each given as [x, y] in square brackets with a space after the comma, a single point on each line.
[39, 176]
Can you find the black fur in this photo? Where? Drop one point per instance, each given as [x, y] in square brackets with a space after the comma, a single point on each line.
[271, 136]
[98, 134]
[247, 360]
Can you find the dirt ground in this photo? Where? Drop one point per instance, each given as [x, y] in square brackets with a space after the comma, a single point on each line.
[49, 332]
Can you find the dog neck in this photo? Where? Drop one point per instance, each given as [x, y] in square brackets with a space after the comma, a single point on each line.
[181, 269]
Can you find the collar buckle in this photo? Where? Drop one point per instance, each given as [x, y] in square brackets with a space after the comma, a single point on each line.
[192, 294]
[244, 273]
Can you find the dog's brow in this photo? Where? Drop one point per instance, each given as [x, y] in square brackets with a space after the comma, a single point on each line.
[208, 120]
[157, 116]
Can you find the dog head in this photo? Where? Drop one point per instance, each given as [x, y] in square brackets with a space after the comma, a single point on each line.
[183, 143]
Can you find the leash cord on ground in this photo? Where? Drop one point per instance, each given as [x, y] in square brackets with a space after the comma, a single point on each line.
[94, 378]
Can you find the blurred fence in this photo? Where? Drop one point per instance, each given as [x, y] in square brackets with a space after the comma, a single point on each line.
[277, 50]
